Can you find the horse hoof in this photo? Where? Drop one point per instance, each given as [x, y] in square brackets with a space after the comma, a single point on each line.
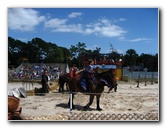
[85, 108]
[99, 109]
[73, 107]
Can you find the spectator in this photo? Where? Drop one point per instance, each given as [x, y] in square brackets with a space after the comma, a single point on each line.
[44, 82]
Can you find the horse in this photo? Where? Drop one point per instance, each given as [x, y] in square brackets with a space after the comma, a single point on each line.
[101, 80]
[62, 80]
[14, 109]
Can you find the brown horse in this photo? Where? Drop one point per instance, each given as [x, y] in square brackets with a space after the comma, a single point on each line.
[101, 80]
[14, 109]
[62, 80]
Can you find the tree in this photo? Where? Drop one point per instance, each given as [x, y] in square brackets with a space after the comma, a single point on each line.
[16, 51]
[130, 57]
[115, 56]
[55, 56]
[36, 50]
[66, 54]
[76, 52]
[149, 61]
[73, 51]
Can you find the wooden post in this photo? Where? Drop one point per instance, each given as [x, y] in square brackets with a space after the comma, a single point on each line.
[138, 81]
[145, 80]
[152, 79]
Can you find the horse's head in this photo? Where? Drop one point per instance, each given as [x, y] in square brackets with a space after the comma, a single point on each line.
[108, 79]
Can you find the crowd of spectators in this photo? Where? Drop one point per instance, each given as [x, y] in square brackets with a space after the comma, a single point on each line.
[36, 71]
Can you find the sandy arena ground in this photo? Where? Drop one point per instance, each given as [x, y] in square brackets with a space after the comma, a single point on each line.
[127, 99]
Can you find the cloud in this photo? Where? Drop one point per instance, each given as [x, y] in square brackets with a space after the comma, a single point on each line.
[23, 39]
[75, 14]
[140, 39]
[122, 19]
[23, 19]
[56, 22]
[60, 25]
[102, 27]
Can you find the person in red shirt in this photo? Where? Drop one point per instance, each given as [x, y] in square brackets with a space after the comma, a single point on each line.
[73, 71]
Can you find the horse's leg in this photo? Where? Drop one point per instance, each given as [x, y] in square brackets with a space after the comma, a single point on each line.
[90, 102]
[73, 107]
[67, 87]
[60, 87]
[63, 87]
[115, 88]
[98, 102]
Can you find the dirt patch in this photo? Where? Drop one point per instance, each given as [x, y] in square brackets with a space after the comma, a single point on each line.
[127, 100]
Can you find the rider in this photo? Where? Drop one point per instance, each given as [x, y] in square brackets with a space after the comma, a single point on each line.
[89, 75]
[73, 71]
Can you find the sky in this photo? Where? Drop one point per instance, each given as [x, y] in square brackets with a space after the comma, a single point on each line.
[139, 26]
[123, 28]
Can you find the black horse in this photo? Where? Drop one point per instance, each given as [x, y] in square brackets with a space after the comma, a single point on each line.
[101, 80]
[62, 80]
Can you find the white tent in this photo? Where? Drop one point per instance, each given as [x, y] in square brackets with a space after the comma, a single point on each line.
[67, 69]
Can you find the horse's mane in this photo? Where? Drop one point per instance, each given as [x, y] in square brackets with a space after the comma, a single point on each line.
[103, 73]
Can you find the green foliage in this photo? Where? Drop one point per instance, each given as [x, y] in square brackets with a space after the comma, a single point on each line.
[130, 57]
[146, 60]
[37, 51]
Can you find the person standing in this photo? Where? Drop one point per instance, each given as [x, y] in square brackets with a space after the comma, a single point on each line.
[44, 82]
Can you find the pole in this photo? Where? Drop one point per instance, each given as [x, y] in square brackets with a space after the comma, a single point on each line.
[145, 80]
[71, 103]
[152, 79]
[138, 81]
[145, 76]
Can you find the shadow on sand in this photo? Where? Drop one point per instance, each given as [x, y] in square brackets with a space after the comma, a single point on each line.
[77, 107]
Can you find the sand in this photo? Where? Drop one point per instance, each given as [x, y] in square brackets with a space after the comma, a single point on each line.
[128, 99]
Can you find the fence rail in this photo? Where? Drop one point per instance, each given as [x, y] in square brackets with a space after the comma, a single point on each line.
[142, 74]
[99, 116]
